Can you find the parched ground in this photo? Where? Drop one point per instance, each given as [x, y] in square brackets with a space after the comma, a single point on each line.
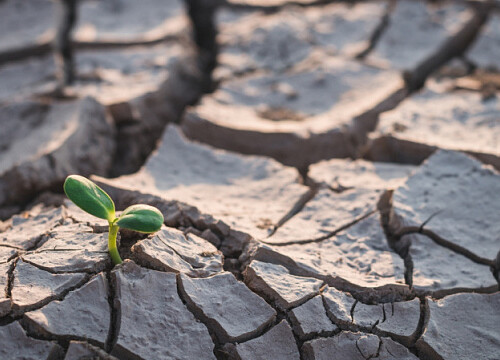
[330, 183]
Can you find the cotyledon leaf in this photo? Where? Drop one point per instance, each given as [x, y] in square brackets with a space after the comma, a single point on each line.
[142, 218]
[89, 197]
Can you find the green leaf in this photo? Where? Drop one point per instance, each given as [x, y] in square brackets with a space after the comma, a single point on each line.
[89, 197]
[142, 218]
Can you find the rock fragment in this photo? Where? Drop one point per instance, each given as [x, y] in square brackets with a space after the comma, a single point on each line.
[148, 301]
[278, 344]
[16, 345]
[42, 144]
[309, 112]
[435, 120]
[33, 287]
[277, 284]
[171, 250]
[454, 195]
[416, 30]
[83, 314]
[227, 306]
[232, 188]
[310, 319]
[27, 230]
[462, 326]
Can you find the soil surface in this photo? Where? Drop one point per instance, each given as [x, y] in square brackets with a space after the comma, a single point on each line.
[328, 173]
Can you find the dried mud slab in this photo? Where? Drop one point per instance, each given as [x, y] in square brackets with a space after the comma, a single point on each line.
[23, 79]
[339, 306]
[485, 50]
[84, 218]
[357, 259]
[143, 88]
[342, 174]
[151, 312]
[16, 34]
[269, 3]
[278, 41]
[7, 253]
[355, 346]
[297, 118]
[310, 319]
[348, 192]
[98, 24]
[325, 214]
[399, 320]
[128, 21]
[453, 197]
[43, 143]
[277, 284]
[83, 314]
[33, 287]
[17, 345]
[227, 306]
[439, 270]
[27, 230]
[278, 344]
[434, 120]
[71, 248]
[120, 75]
[5, 303]
[416, 30]
[171, 250]
[462, 326]
[232, 188]
[79, 350]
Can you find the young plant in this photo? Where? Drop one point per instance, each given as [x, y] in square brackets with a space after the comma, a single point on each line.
[91, 198]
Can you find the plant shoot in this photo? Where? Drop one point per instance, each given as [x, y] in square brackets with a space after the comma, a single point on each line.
[92, 199]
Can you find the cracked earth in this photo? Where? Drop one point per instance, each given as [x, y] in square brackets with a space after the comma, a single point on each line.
[328, 173]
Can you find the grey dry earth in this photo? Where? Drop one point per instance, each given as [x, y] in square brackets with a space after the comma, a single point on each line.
[315, 206]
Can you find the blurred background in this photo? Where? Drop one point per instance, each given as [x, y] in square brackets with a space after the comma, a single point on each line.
[88, 86]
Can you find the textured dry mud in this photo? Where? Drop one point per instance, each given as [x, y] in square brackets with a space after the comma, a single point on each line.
[334, 195]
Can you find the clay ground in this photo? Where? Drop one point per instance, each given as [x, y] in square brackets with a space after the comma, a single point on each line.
[328, 172]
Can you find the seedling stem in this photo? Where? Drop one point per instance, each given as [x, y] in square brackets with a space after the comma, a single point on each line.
[113, 249]
[94, 200]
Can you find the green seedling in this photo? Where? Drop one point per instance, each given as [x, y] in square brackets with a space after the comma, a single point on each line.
[91, 198]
